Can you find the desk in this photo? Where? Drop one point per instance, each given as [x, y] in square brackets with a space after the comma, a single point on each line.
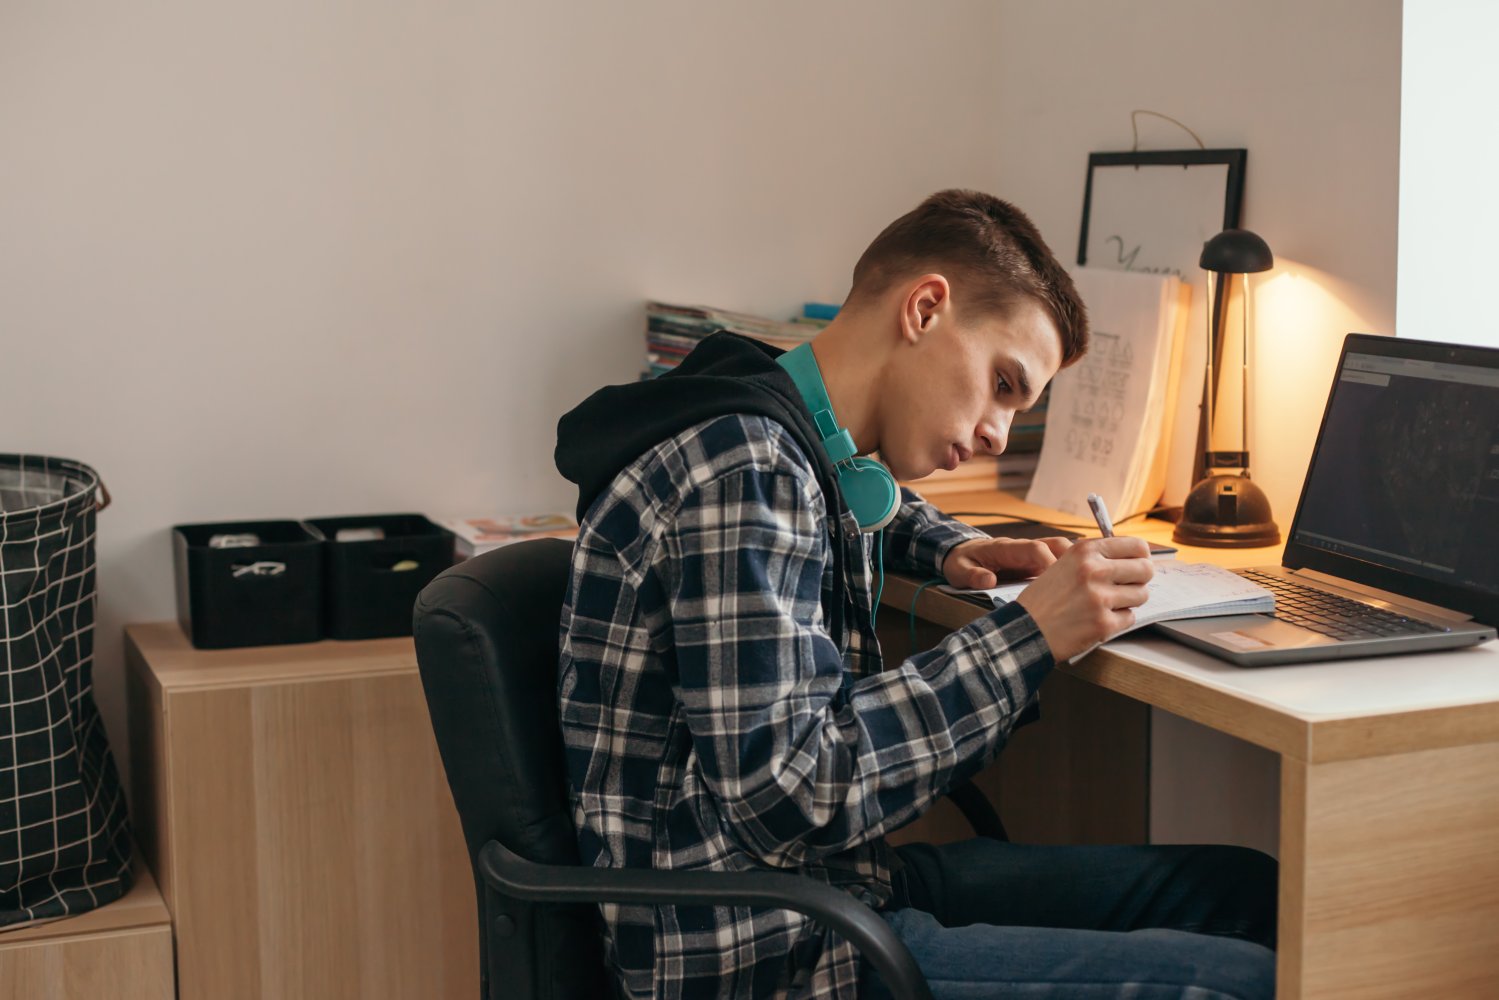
[1389, 773]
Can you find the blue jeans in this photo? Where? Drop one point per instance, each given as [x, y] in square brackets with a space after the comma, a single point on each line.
[986, 919]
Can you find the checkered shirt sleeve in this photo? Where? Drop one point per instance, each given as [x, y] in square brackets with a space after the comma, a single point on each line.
[920, 537]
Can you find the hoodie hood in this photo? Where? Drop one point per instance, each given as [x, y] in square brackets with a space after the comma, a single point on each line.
[724, 374]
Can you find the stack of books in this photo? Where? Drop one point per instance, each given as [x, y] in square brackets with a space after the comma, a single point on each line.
[1016, 471]
[477, 535]
[1011, 472]
[672, 331]
[1022, 454]
[981, 472]
[1028, 428]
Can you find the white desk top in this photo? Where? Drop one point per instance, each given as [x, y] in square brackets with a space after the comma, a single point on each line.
[1314, 711]
[1339, 689]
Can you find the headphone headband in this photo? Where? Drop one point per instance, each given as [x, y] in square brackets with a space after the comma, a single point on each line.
[868, 488]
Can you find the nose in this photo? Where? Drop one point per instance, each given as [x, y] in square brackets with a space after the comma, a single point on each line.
[994, 434]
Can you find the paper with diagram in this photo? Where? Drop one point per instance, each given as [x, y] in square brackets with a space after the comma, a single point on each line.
[1108, 425]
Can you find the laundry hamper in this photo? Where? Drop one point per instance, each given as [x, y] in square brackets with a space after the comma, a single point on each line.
[64, 840]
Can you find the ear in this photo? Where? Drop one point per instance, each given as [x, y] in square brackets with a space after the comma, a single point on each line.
[928, 301]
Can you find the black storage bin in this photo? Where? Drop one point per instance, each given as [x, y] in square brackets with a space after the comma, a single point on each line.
[258, 595]
[369, 586]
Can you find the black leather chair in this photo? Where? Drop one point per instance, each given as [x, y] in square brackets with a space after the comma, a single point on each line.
[486, 638]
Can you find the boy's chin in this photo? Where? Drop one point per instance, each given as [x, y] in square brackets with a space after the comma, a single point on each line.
[906, 475]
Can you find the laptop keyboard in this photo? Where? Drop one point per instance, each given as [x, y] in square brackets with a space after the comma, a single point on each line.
[1333, 616]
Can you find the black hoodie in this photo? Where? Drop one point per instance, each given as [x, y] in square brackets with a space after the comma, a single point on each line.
[724, 374]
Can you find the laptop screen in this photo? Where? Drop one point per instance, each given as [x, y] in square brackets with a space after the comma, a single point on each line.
[1403, 488]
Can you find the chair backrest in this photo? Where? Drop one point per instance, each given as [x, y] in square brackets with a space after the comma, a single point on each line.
[486, 635]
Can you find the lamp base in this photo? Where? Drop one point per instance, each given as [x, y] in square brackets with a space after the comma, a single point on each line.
[1225, 511]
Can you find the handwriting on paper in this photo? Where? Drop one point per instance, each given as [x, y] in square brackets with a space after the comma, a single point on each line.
[1129, 261]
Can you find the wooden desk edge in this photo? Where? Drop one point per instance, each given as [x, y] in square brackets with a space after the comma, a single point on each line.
[1310, 739]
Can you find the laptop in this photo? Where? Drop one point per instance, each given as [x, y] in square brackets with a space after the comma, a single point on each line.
[1395, 543]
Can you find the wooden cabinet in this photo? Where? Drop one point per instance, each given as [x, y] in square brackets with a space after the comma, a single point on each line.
[293, 805]
[121, 950]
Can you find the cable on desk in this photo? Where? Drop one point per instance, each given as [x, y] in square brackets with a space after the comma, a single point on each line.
[1022, 519]
[914, 597]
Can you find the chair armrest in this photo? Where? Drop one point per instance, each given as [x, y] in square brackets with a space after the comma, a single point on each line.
[508, 873]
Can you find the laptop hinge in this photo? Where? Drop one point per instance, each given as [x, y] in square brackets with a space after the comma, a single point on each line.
[1383, 597]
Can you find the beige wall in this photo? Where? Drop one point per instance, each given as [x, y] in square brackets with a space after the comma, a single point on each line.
[1312, 90]
[285, 260]
[292, 259]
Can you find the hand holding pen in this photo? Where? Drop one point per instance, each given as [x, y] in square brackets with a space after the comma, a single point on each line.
[1090, 593]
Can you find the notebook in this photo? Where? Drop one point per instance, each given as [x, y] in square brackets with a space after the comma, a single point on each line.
[1177, 590]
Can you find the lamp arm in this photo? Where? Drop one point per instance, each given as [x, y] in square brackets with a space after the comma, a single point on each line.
[1244, 382]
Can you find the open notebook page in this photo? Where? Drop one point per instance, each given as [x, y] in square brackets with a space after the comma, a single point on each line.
[1178, 590]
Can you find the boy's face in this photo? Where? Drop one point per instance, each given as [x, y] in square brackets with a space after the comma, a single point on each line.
[953, 389]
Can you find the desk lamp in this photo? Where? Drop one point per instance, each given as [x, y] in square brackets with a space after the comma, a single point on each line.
[1227, 509]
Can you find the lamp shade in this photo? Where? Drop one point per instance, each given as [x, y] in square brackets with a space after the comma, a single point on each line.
[1236, 251]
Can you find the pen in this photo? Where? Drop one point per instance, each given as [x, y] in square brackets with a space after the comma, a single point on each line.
[1101, 515]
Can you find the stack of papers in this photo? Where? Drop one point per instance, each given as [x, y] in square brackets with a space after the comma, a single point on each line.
[477, 535]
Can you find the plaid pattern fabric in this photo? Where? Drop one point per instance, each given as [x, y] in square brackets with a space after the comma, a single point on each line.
[64, 844]
[710, 722]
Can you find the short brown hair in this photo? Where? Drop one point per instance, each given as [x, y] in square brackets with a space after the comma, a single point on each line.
[988, 248]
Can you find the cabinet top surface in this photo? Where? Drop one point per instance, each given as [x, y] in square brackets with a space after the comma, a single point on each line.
[140, 907]
[170, 659]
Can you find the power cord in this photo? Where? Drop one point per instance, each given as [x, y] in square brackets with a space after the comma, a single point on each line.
[914, 597]
[1021, 519]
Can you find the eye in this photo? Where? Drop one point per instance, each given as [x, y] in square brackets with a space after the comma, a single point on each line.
[1002, 384]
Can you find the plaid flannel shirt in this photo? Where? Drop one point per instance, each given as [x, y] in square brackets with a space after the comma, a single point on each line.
[710, 721]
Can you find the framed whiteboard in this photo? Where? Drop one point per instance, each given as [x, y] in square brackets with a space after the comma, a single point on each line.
[1152, 212]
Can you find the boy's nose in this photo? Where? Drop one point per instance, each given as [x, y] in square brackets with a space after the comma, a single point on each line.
[994, 436]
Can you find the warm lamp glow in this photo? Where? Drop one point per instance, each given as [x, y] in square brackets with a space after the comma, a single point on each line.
[1299, 317]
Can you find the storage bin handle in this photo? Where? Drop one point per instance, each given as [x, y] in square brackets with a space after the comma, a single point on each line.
[104, 498]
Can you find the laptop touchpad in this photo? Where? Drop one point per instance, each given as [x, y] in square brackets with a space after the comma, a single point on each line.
[1247, 633]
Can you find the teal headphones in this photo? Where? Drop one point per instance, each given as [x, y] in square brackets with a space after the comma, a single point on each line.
[867, 486]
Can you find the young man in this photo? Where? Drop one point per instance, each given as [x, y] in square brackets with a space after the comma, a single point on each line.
[723, 698]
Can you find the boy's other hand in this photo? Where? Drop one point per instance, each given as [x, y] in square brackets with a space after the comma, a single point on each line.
[983, 562]
[1089, 594]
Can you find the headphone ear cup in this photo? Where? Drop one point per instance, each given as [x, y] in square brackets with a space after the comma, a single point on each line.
[871, 493]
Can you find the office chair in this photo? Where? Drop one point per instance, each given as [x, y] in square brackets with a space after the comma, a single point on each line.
[486, 635]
